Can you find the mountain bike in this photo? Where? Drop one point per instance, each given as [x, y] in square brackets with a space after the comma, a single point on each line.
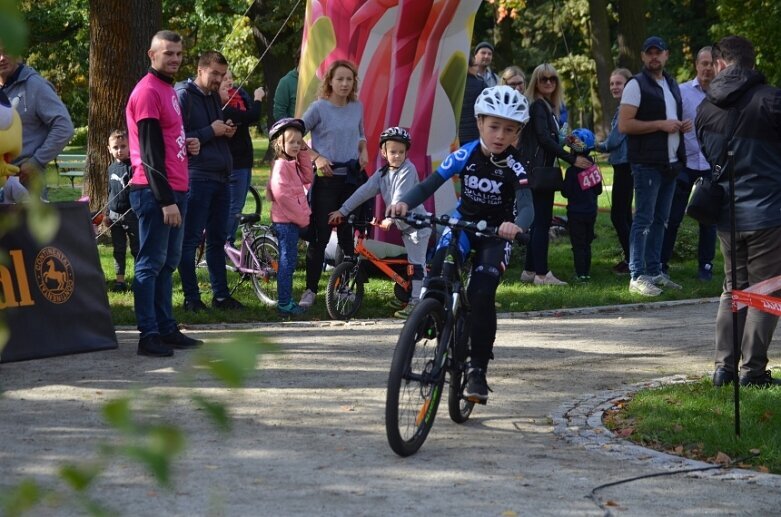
[433, 343]
[257, 259]
[344, 294]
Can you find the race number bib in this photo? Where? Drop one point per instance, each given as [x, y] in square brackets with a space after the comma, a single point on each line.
[588, 178]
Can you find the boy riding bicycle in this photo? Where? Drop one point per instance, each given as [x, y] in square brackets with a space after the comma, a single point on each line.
[393, 181]
[490, 171]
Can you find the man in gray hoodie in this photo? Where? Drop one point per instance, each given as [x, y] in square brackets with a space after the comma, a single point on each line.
[46, 124]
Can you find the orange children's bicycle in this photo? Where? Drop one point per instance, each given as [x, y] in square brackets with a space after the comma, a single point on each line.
[344, 294]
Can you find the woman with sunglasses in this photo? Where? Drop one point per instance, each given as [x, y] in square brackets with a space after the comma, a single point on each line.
[540, 147]
[513, 77]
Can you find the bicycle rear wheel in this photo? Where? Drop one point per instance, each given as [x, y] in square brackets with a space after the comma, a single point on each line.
[256, 203]
[459, 408]
[266, 251]
[413, 394]
[344, 293]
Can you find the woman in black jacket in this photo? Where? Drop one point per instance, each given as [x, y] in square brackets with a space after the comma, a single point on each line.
[540, 147]
[243, 112]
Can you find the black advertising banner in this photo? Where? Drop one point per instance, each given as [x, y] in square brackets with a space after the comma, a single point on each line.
[53, 296]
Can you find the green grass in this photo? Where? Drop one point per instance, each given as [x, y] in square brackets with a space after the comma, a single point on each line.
[605, 288]
[696, 420]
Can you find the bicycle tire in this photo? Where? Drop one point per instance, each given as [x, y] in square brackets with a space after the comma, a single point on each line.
[257, 201]
[459, 408]
[401, 294]
[413, 397]
[344, 294]
[266, 251]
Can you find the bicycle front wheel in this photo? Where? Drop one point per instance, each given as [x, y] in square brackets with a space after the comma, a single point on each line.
[344, 293]
[413, 393]
[264, 259]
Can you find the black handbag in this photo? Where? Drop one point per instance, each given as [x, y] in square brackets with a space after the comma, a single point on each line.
[706, 200]
[546, 179]
[705, 203]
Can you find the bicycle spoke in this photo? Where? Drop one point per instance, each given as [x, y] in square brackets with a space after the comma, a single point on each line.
[415, 383]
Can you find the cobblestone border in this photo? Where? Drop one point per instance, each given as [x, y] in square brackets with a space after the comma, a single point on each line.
[579, 422]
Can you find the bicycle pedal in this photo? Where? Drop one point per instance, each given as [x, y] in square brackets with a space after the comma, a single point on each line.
[476, 400]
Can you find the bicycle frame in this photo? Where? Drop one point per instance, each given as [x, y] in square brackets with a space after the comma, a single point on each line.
[383, 265]
[238, 257]
[447, 288]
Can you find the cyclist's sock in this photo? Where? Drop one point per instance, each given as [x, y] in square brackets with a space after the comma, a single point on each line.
[416, 286]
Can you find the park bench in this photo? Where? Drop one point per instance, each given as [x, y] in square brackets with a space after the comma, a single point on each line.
[70, 166]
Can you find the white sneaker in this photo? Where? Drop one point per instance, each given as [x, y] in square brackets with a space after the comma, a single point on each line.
[527, 277]
[548, 279]
[644, 285]
[663, 280]
[307, 299]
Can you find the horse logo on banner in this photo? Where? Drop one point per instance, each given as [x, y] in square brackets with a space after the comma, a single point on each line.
[54, 275]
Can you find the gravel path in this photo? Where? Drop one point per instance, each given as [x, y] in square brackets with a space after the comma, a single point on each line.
[309, 436]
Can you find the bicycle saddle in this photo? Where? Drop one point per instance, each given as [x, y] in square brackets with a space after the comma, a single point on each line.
[248, 218]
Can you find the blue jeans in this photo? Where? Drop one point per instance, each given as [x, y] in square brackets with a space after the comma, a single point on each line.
[287, 235]
[654, 189]
[158, 255]
[706, 247]
[209, 202]
[239, 186]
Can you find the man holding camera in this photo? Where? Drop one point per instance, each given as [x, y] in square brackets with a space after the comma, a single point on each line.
[209, 197]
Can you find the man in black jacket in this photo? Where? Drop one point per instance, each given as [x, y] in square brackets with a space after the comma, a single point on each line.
[467, 128]
[740, 91]
[208, 199]
[651, 117]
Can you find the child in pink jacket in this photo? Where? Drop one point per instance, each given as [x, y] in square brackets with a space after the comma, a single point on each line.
[289, 210]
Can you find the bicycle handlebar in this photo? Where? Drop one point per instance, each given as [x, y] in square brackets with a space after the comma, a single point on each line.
[476, 227]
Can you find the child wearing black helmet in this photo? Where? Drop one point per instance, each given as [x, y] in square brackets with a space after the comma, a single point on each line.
[392, 181]
[581, 188]
[290, 211]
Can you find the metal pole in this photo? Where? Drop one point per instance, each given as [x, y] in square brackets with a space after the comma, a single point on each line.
[734, 279]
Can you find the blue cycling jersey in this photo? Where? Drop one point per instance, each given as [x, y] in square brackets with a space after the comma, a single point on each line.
[488, 183]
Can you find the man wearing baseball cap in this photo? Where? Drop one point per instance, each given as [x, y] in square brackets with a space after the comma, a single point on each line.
[651, 116]
[484, 54]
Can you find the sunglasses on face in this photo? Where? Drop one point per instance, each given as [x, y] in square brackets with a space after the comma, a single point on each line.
[551, 79]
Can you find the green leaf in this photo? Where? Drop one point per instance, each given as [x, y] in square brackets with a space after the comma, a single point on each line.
[12, 28]
[233, 362]
[78, 477]
[25, 496]
[43, 220]
[155, 463]
[117, 413]
[216, 411]
[166, 439]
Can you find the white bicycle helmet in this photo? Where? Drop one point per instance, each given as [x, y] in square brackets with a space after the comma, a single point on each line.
[503, 102]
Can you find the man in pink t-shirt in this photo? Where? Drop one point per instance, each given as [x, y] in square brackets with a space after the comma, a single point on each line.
[158, 195]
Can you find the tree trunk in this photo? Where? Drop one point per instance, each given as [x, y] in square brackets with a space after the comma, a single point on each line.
[631, 33]
[601, 52]
[119, 38]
